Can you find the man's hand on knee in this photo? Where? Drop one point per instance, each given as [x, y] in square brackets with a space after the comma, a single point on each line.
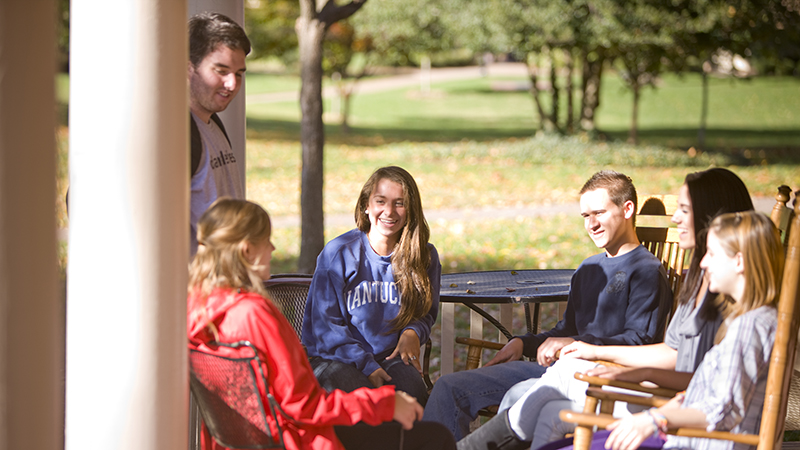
[547, 353]
[511, 352]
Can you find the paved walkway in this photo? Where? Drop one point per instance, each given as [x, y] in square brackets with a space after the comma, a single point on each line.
[762, 204]
[412, 78]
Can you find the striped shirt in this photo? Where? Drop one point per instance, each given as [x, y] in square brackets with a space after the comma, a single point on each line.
[729, 384]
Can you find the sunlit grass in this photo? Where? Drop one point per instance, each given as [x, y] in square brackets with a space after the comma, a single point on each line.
[752, 113]
[471, 148]
[500, 174]
[260, 83]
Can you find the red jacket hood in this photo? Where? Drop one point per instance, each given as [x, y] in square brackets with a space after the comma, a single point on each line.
[216, 305]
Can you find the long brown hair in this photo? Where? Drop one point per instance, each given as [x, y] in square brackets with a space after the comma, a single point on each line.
[222, 233]
[754, 236]
[411, 256]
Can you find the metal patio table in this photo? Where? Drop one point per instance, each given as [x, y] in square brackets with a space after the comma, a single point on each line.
[504, 287]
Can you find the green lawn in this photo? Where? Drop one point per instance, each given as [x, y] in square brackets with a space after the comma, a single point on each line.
[471, 147]
[741, 114]
[756, 113]
[260, 83]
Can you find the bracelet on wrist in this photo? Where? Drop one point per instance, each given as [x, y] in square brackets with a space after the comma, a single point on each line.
[660, 422]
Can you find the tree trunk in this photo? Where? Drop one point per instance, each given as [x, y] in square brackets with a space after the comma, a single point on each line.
[315, 18]
[310, 34]
[554, 91]
[345, 110]
[590, 86]
[633, 135]
[568, 88]
[701, 133]
[533, 75]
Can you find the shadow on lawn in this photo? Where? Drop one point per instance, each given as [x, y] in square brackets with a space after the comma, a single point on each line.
[454, 130]
[780, 145]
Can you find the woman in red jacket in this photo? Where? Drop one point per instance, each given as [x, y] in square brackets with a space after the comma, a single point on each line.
[227, 303]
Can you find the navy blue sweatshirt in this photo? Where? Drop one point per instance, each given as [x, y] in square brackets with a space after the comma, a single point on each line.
[352, 299]
[623, 300]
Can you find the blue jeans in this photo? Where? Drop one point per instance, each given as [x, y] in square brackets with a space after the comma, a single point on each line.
[338, 375]
[457, 397]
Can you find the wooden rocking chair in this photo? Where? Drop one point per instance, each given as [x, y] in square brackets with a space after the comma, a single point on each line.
[780, 370]
[654, 230]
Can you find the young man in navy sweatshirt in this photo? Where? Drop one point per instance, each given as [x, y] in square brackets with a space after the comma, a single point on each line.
[618, 297]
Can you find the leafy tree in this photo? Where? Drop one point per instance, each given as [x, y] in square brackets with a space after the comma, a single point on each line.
[385, 32]
[316, 17]
[644, 34]
[556, 39]
[270, 27]
[338, 51]
[62, 35]
[398, 33]
[765, 31]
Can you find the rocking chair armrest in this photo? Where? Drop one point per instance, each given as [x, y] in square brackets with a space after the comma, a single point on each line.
[586, 420]
[609, 363]
[603, 420]
[613, 396]
[480, 343]
[475, 349]
[597, 381]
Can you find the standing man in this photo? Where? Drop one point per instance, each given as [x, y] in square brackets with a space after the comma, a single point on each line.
[217, 49]
[619, 297]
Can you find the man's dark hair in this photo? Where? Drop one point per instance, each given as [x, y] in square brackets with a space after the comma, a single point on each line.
[208, 30]
[619, 186]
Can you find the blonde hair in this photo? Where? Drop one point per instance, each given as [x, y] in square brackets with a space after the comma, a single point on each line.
[222, 233]
[411, 256]
[754, 236]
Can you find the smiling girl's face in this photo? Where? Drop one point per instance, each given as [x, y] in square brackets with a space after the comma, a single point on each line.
[684, 218]
[387, 211]
[725, 272]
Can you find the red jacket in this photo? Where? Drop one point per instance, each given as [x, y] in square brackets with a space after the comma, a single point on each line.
[313, 411]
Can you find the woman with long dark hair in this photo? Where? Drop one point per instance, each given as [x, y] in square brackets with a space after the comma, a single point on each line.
[744, 265]
[530, 419]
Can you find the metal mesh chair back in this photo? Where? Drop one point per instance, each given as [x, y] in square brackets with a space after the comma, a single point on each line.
[289, 292]
[226, 390]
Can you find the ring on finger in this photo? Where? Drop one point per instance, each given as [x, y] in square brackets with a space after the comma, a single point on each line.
[412, 357]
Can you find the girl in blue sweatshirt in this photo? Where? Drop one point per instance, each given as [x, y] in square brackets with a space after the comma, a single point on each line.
[375, 292]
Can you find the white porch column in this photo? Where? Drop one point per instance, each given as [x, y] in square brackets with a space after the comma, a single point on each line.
[234, 115]
[31, 310]
[127, 383]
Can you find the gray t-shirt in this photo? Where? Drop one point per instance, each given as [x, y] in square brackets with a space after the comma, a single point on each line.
[217, 176]
[690, 335]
